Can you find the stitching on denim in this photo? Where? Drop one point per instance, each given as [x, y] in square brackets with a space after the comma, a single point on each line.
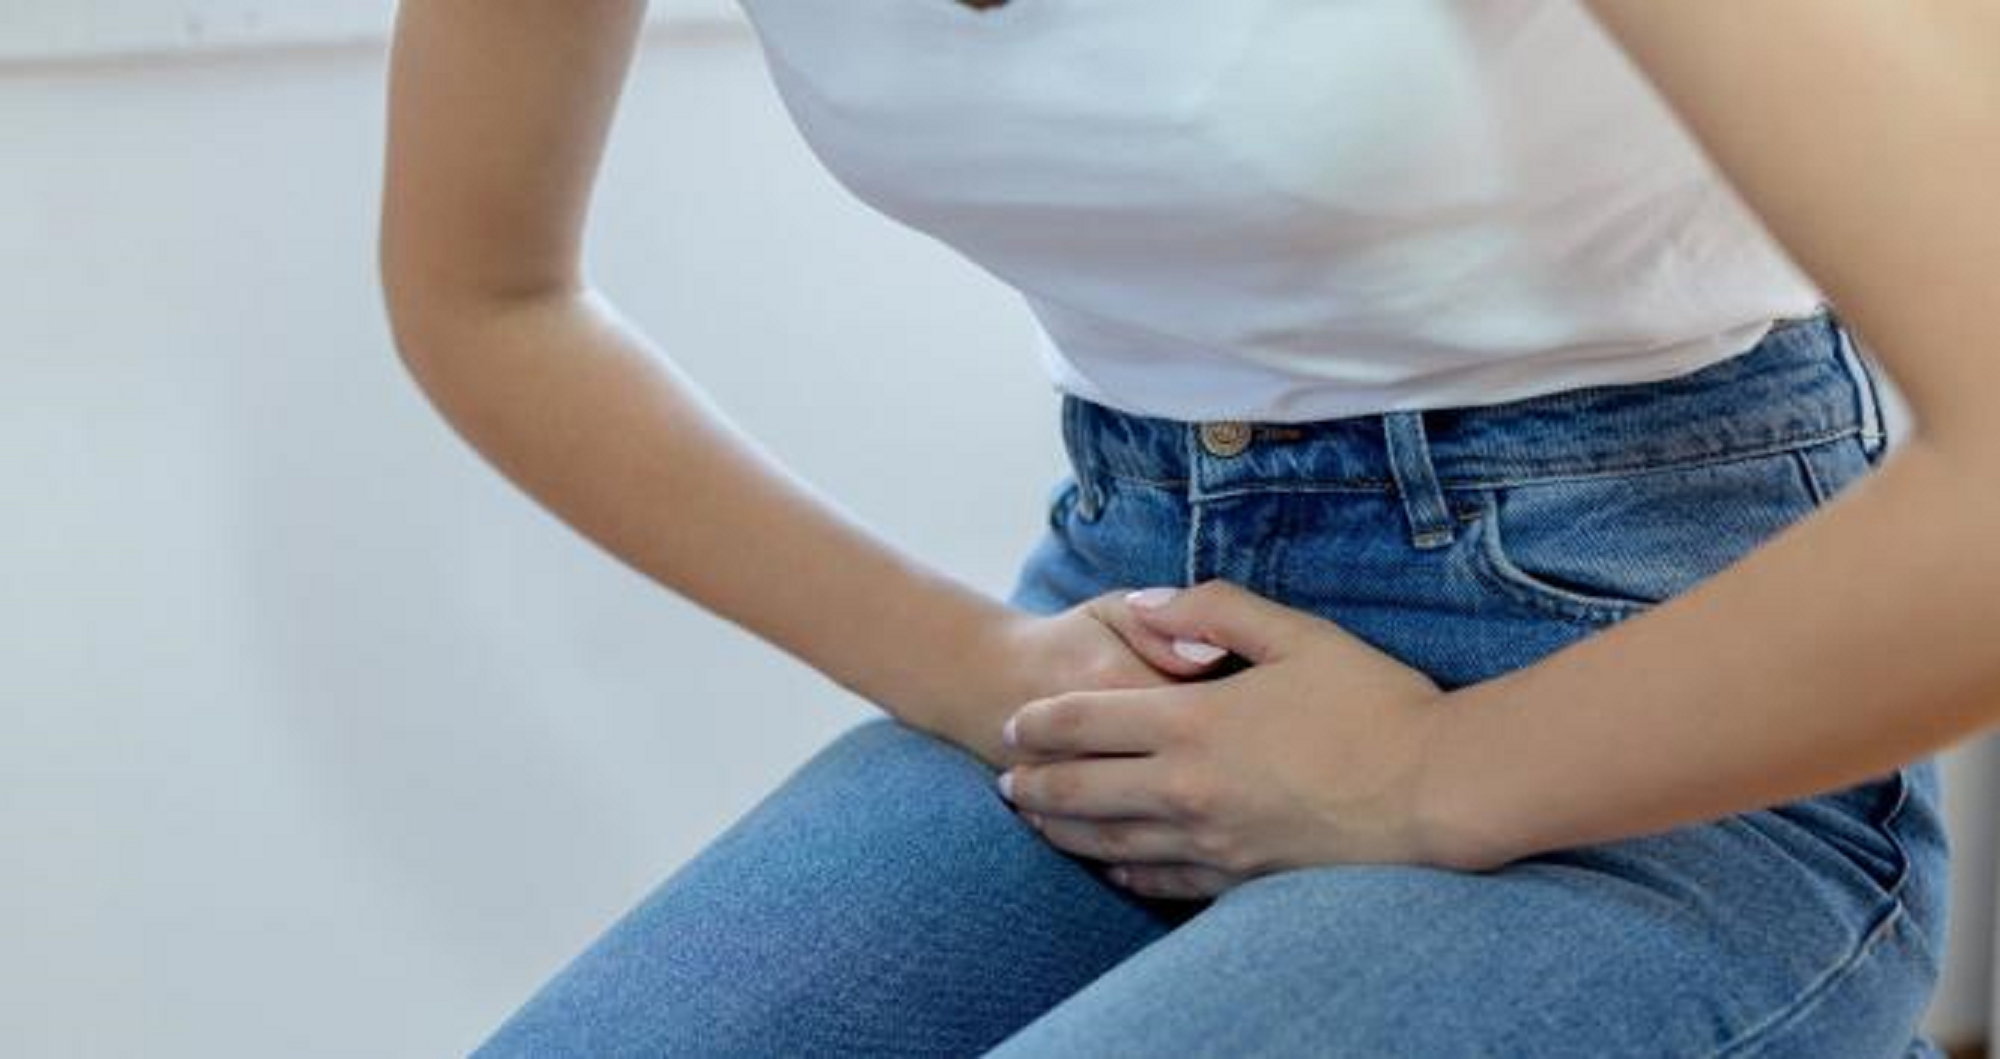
[1814, 487]
[1888, 826]
[1790, 1012]
[1058, 509]
[1253, 488]
[1138, 479]
[1677, 464]
[1194, 514]
[1550, 477]
[1425, 506]
[1498, 569]
[1867, 394]
[1270, 558]
[1895, 911]
[1904, 862]
[1492, 564]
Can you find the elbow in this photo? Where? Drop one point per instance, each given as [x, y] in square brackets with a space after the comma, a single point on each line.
[406, 299]
[414, 303]
[434, 301]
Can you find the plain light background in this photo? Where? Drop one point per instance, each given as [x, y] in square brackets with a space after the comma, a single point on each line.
[317, 738]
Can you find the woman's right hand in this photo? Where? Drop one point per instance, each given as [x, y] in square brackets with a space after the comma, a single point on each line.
[1095, 645]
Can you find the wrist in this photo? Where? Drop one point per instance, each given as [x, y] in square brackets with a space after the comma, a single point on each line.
[1458, 819]
[942, 655]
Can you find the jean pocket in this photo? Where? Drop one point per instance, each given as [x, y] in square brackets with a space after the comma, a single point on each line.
[1602, 548]
[1859, 826]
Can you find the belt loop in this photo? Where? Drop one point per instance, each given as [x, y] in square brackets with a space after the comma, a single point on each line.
[1874, 433]
[1416, 479]
[1076, 442]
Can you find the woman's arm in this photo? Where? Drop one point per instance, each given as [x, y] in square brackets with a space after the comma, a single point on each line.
[1867, 136]
[498, 113]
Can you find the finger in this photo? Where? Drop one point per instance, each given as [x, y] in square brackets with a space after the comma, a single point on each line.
[1097, 788]
[1224, 614]
[1116, 721]
[1155, 647]
[1125, 841]
[1185, 881]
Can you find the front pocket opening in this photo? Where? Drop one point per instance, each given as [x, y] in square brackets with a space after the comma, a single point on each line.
[1607, 547]
[1545, 591]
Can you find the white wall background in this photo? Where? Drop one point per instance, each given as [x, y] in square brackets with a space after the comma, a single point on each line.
[316, 739]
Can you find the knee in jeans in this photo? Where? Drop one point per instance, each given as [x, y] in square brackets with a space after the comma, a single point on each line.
[886, 740]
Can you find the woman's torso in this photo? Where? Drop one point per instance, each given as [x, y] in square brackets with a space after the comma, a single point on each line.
[1285, 210]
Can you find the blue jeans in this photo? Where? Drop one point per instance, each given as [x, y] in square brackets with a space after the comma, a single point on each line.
[884, 901]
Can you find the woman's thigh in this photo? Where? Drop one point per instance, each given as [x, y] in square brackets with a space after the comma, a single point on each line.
[882, 901]
[1732, 939]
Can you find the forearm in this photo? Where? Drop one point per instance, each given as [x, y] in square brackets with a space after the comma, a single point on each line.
[571, 403]
[1854, 641]
[1862, 636]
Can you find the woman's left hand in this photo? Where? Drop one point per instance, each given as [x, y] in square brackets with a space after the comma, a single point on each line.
[1313, 754]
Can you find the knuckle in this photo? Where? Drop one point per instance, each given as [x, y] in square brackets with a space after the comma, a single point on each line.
[1228, 854]
[1188, 795]
[1181, 723]
[1029, 790]
[1059, 790]
[1103, 670]
[1212, 845]
[1063, 718]
[1105, 601]
[1042, 721]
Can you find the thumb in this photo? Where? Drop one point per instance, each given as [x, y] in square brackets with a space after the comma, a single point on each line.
[1222, 613]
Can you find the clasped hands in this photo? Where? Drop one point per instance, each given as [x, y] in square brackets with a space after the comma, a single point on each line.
[1313, 753]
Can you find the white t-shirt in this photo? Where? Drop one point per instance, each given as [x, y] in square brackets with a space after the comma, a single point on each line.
[1284, 210]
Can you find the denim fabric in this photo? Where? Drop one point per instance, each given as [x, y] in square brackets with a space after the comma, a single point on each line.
[884, 901]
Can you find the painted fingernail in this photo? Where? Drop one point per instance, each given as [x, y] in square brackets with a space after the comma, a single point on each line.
[1150, 597]
[1006, 782]
[1198, 652]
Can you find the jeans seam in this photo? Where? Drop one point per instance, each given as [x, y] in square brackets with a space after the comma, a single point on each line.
[1904, 861]
[1675, 464]
[1893, 913]
[1493, 566]
[1874, 428]
[1191, 549]
[1789, 1013]
[1140, 479]
[1374, 485]
[1814, 486]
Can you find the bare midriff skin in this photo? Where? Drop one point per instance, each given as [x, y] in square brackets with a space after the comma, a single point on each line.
[1857, 640]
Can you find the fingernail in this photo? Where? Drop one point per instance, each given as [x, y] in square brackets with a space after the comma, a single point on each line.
[1198, 652]
[1007, 735]
[1035, 819]
[1006, 782]
[1150, 597]
[1119, 875]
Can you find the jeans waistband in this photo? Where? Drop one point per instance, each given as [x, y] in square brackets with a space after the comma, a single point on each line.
[1803, 382]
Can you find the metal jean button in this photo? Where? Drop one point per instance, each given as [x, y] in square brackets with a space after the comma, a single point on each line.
[1225, 437]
